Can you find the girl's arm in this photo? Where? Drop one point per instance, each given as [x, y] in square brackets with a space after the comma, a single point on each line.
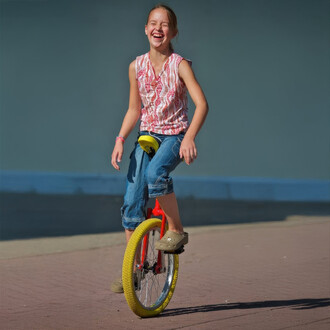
[130, 119]
[188, 148]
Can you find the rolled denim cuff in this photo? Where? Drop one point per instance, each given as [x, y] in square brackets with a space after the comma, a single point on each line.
[160, 189]
[131, 224]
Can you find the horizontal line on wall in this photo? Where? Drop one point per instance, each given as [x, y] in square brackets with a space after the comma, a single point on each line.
[207, 187]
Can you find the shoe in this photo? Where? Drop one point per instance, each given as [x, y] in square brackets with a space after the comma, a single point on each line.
[171, 241]
[117, 285]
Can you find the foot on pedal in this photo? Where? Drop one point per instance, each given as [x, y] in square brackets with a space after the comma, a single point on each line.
[172, 241]
[177, 251]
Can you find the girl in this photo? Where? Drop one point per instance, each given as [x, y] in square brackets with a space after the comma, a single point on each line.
[160, 80]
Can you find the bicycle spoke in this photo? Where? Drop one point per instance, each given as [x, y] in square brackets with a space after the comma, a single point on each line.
[146, 295]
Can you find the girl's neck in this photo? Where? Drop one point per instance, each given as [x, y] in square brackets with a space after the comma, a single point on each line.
[159, 56]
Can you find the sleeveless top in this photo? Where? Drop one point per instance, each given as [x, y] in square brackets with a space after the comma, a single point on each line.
[164, 98]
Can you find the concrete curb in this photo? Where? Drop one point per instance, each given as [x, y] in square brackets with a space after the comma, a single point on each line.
[50, 245]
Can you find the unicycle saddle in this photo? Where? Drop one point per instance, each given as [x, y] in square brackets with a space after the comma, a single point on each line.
[149, 144]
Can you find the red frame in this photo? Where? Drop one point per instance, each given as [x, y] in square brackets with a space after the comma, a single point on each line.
[156, 211]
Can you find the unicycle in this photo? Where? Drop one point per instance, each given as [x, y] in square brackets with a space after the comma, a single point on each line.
[149, 275]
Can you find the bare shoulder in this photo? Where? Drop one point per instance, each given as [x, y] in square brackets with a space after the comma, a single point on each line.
[131, 70]
[185, 70]
[132, 66]
[185, 65]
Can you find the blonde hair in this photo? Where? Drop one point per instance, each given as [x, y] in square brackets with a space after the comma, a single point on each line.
[171, 17]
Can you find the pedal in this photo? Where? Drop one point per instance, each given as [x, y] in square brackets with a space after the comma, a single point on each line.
[178, 251]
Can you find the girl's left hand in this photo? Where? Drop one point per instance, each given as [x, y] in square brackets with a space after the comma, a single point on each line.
[188, 150]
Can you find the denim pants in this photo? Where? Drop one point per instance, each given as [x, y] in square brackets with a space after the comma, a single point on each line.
[149, 177]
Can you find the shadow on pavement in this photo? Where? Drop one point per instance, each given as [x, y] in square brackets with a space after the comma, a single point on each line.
[32, 215]
[297, 304]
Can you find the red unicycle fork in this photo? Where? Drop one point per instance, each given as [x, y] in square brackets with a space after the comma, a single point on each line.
[158, 212]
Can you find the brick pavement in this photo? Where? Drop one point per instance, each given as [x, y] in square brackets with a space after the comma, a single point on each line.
[258, 276]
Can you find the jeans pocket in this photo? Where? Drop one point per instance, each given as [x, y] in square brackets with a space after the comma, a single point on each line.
[176, 146]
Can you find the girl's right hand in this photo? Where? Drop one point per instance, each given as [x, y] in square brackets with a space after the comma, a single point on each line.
[117, 154]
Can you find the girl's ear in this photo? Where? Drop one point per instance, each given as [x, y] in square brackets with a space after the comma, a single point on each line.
[145, 30]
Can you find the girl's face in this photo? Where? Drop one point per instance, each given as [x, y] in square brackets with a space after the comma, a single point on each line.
[158, 29]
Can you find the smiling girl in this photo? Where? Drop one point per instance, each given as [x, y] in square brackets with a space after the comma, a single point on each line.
[159, 80]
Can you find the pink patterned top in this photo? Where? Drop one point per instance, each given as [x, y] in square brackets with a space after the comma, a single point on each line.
[164, 98]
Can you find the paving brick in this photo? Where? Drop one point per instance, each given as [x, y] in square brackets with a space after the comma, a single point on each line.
[261, 276]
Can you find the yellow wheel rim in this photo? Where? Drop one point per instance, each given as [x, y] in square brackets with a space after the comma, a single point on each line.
[148, 143]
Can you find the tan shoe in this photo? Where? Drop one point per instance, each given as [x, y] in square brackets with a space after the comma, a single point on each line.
[117, 286]
[171, 241]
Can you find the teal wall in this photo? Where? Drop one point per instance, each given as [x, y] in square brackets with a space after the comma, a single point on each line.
[264, 67]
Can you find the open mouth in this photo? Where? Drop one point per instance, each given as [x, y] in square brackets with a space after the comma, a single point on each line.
[158, 36]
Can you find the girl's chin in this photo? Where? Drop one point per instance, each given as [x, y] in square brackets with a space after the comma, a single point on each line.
[156, 42]
[158, 45]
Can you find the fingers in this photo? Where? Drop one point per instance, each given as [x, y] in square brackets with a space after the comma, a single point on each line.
[181, 153]
[115, 159]
[118, 159]
[117, 154]
[115, 164]
[189, 154]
